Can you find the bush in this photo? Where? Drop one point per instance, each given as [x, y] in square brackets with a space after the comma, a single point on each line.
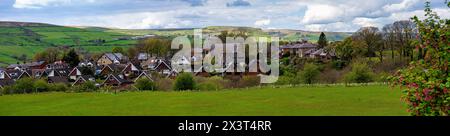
[164, 84]
[338, 64]
[212, 83]
[7, 90]
[184, 81]
[249, 81]
[41, 86]
[24, 85]
[145, 84]
[85, 87]
[58, 87]
[360, 73]
[309, 73]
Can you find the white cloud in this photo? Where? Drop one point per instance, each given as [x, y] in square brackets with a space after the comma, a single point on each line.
[35, 4]
[365, 22]
[405, 4]
[263, 22]
[322, 14]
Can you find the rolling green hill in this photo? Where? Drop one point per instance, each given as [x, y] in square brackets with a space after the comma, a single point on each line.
[25, 39]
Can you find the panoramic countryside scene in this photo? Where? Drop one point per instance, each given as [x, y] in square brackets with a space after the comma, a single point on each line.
[224, 58]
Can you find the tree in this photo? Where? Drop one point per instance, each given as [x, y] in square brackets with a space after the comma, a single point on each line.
[184, 81]
[41, 86]
[361, 73]
[145, 84]
[24, 85]
[427, 80]
[49, 55]
[132, 52]
[344, 49]
[309, 73]
[323, 42]
[72, 58]
[372, 38]
[158, 47]
[118, 50]
[389, 38]
[405, 32]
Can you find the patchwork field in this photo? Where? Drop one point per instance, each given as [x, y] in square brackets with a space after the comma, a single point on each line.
[302, 101]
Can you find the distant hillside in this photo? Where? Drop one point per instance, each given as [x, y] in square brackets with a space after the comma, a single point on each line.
[21, 24]
[25, 39]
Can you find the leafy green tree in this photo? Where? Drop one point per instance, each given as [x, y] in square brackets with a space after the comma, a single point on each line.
[309, 73]
[427, 80]
[49, 55]
[24, 85]
[58, 87]
[118, 50]
[72, 58]
[371, 37]
[87, 87]
[145, 84]
[323, 42]
[184, 81]
[41, 86]
[361, 73]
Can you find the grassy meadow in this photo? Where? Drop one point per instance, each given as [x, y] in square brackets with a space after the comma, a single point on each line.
[299, 101]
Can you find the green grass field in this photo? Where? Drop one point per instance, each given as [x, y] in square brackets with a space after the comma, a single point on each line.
[309, 101]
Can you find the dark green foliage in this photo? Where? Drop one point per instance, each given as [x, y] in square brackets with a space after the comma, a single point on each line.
[309, 73]
[58, 87]
[361, 73]
[72, 58]
[323, 42]
[41, 86]
[145, 84]
[118, 50]
[184, 81]
[85, 87]
[24, 85]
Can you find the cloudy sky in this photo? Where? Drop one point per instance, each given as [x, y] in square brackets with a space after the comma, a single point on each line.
[313, 15]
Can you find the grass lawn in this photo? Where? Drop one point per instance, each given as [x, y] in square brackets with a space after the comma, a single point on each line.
[310, 101]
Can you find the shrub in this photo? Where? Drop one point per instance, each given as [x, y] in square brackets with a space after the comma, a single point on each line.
[309, 73]
[145, 84]
[427, 80]
[331, 76]
[212, 83]
[164, 84]
[24, 85]
[58, 87]
[360, 73]
[7, 90]
[249, 81]
[338, 64]
[41, 86]
[85, 87]
[184, 81]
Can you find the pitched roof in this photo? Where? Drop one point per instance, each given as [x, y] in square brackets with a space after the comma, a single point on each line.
[299, 46]
[58, 79]
[144, 74]
[115, 57]
[117, 78]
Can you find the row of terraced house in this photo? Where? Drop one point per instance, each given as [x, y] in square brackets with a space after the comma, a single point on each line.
[111, 69]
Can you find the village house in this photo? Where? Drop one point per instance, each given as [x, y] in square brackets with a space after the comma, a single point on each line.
[144, 75]
[83, 79]
[112, 58]
[117, 81]
[298, 49]
[28, 66]
[106, 70]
